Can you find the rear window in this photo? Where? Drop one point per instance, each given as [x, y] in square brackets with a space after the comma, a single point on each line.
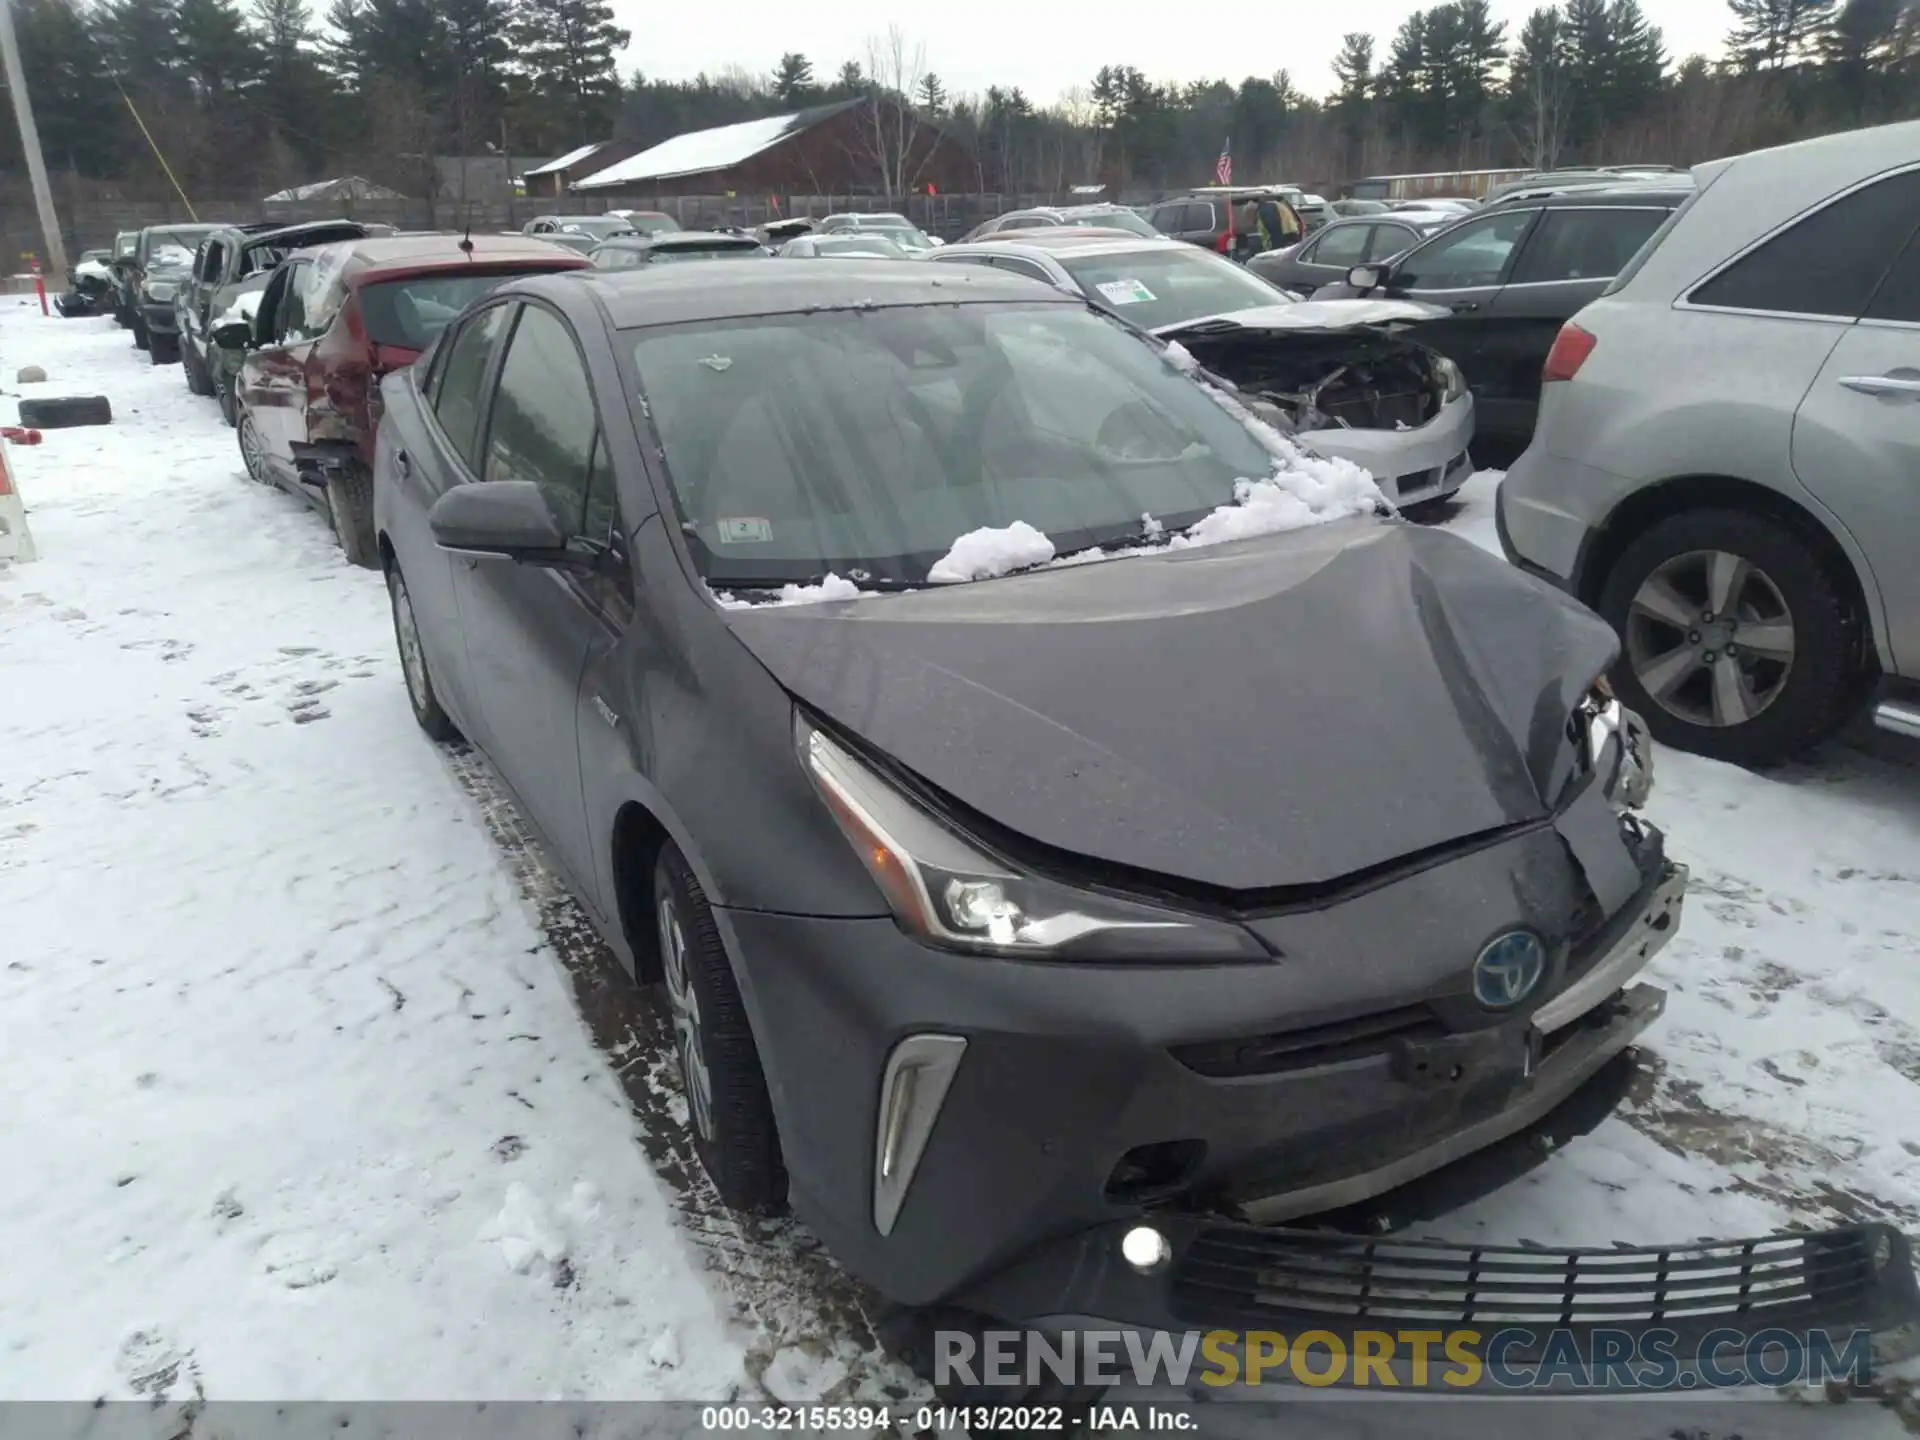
[1829, 263]
[1113, 220]
[1168, 285]
[653, 224]
[410, 313]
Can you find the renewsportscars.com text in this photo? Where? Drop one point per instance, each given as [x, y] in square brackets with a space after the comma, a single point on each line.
[1511, 1359]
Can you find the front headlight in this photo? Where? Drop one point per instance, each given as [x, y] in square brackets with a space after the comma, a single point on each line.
[944, 889]
[1619, 748]
[1451, 379]
[160, 290]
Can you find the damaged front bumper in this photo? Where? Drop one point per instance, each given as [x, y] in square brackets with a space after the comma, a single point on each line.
[1411, 466]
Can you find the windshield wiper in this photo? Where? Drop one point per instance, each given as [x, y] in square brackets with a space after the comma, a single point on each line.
[1144, 538]
[762, 585]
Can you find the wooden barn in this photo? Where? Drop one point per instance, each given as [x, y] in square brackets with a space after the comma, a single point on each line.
[861, 146]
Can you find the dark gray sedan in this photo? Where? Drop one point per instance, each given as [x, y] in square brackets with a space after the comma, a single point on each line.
[1045, 933]
[1330, 252]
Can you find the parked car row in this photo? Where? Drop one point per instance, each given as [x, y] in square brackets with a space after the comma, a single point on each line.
[1001, 937]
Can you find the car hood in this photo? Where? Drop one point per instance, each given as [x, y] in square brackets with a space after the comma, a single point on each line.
[1283, 712]
[1321, 316]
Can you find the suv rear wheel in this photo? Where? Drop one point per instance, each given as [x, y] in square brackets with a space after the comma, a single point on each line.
[198, 381]
[1736, 641]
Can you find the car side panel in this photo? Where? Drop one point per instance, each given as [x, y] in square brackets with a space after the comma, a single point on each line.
[1861, 453]
[413, 467]
[1515, 336]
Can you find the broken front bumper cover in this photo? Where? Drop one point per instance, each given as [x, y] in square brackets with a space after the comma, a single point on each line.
[1524, 1313]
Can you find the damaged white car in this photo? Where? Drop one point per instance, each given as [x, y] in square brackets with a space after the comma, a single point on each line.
[1337, 374]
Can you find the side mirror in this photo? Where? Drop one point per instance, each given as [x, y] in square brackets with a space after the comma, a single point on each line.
[1367, 277]
[501, 519]
[234, 335]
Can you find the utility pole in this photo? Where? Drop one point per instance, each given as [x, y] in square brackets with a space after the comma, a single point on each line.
[30, 145]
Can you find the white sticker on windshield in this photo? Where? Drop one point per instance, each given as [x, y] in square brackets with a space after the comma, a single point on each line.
[742, 530]
[1124, 292]
[717, 363]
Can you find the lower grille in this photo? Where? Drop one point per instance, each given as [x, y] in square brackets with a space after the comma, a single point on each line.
[1276, 1054]
[1256, 1276]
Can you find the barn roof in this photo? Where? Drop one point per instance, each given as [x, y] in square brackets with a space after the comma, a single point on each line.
[700, 151]
[570, 159]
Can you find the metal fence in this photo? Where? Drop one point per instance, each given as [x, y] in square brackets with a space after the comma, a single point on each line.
[92, 224]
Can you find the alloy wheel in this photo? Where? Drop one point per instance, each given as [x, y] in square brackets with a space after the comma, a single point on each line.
[685, 1006]
[413, 660]
[1710, 638]
[250, 448]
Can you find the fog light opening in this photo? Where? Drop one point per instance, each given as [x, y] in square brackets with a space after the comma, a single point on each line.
[1145, 1249]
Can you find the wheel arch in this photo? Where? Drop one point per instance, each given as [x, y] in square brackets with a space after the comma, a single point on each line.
[1651, 504]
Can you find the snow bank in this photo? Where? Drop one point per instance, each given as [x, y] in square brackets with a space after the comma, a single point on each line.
[993, 550]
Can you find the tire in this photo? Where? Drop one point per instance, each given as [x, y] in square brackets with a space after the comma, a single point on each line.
[728, 1111]
[139, 333]
[198, 381]
[1796, 687]
[252, 455]
[229, 401]
[66, 412]
[413, 664]
[350, 503]
[163, 349]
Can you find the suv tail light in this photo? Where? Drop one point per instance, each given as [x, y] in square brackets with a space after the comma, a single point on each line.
[1570, 351]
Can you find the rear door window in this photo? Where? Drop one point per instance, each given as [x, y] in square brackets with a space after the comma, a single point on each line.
[1167, 218]
[1342, 247]
[457, 402]
[1830, 263]
[1389, 240]
[1200, 217]
[1584, 244]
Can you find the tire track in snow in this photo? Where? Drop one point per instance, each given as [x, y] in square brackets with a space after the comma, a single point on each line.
[774, 1274]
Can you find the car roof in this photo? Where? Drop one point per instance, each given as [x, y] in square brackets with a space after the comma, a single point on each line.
[682, 240]
[1073, 239]
[1600, 195]
[674, 294]
[385, 253]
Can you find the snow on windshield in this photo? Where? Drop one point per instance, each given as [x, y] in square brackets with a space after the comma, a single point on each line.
[167, 257]
[832, 587]
[996, 550]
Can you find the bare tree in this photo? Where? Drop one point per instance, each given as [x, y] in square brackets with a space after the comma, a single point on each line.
[1543, 98]
[890, 125]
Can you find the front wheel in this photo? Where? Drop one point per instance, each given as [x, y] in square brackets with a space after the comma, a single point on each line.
[198, 381]
[140, 337]
[163, 349]
[1737, 641]
[726, 1090]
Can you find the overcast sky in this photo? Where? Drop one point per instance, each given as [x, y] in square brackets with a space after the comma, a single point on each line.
[1046, 49]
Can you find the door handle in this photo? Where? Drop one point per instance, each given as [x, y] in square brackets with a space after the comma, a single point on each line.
[1883, 385]
[402, 463]
[1464, 307]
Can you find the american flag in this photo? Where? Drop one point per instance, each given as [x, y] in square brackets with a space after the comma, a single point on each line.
[1223, 167]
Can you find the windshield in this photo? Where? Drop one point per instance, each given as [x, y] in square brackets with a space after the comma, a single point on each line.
[1168, 285]
[667, 254]
[175, 244]
[600, 227]
[409, 313]
[865, 442]
[1113, 220]
[858, 245]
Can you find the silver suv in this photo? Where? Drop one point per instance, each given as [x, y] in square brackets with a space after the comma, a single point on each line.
[1727, 460]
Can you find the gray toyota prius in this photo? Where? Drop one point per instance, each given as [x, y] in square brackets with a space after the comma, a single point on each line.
[1101, 862]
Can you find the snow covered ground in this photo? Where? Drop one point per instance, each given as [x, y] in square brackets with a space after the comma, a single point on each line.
[315, 1087]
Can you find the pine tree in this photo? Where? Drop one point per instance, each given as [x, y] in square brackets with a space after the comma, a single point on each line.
[1639, 63]
[851, 81]
[563, 56]
[793, 79]
[217, 52]
[1539, 89]
[1772, 34]
[83, 125]
[931, 94]
[1353, 68]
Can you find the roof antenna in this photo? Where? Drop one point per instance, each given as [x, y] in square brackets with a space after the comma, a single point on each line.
[466, 234]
